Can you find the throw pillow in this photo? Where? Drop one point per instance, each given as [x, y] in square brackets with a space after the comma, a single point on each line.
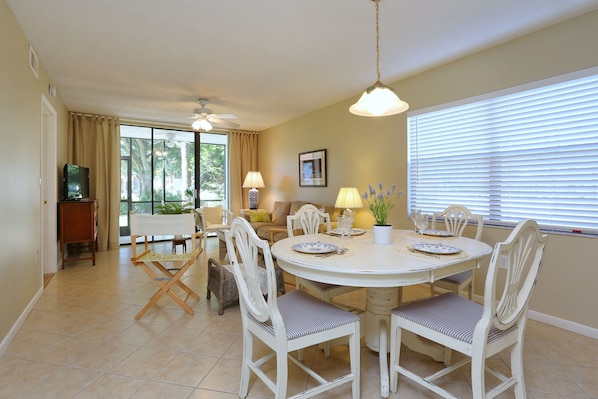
[259, 216]
[280, 212]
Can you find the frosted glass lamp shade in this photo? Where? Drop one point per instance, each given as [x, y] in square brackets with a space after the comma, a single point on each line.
[379, 100]
[202, 125]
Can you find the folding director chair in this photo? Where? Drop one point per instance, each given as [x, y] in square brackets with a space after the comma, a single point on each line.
[154, 262]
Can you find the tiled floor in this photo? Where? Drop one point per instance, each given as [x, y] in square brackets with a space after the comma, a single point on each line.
[81, 341]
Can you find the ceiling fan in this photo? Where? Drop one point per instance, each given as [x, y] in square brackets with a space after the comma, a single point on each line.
[205, 119]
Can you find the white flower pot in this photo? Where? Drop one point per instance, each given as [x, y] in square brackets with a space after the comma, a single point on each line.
[382, 234]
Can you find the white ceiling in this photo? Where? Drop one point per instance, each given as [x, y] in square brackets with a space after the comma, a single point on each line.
[266, 61]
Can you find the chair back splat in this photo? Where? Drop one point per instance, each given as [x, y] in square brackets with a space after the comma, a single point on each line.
[456, 219]
[311, 220]
[479, 331]
[308, 220]
[285, 324]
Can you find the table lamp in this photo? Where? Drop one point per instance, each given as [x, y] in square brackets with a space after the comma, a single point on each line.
[348, 198]
[253, 180]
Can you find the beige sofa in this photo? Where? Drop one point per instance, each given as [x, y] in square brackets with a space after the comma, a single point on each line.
[272, 225]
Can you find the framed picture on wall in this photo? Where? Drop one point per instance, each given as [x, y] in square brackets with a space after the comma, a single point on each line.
[312, 169]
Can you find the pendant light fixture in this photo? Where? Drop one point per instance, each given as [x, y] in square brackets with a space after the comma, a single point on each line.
[378, 99]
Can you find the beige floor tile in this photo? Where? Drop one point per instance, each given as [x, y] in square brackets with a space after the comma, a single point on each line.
[32, 380]
[224, 376]
[104, 357]
[585, 377]
[207, 394]
[144, 362]
[186, 369]
[212, 343]
[161, 390]
[140, 333]
[82, 341]
[548, 378]
[173, 338]
[111, 386]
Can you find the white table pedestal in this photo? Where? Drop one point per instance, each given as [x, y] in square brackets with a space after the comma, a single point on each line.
[379, 303]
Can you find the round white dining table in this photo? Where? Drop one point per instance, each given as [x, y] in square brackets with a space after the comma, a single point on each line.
[382, 270]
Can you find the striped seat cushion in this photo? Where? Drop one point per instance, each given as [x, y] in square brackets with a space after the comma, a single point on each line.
[449, 314]
[323, 286]
[458, 278]
[304, 314]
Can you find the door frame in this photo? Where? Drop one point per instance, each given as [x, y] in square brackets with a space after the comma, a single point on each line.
[48, 183]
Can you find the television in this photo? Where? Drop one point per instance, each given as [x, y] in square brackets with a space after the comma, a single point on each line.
[75, 180]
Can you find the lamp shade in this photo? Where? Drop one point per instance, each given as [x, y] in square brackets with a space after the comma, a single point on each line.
[348, 197]
[379, 100]
[253, 180]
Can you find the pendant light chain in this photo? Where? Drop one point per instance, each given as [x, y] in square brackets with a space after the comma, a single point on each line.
[378, 99]
[377, 39]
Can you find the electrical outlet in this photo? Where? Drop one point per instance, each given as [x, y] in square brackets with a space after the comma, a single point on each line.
[503, 262]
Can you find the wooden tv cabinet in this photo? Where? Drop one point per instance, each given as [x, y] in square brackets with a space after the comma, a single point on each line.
[78, 224]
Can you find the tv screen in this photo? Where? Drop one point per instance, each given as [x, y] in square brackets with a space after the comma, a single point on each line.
[76, 182]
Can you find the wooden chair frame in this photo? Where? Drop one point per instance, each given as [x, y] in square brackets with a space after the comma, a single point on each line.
[153, 263]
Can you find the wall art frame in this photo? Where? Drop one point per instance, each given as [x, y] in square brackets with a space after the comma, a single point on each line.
[313, 169]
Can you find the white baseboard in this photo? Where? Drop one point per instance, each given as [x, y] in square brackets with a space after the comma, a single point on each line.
[19, 323]
[564, 324]
[556, 322]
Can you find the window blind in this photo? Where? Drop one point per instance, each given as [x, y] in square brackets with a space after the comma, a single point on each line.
[529, 154]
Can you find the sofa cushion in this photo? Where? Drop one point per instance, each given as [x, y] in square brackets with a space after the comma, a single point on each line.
[258, 225]
[279, 212]
[296, 205]
[271, 232]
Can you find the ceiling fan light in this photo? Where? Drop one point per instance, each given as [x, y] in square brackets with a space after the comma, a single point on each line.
[202, 125]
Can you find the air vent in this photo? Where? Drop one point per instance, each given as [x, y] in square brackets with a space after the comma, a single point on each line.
[33, 62]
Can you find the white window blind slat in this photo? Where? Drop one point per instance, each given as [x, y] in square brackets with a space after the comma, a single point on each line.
[531, 153]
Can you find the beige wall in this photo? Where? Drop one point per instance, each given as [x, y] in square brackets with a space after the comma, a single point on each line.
[365, 150]
[20, 121]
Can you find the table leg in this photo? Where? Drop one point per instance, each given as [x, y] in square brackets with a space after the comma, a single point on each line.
[379, 303]
[383, 358]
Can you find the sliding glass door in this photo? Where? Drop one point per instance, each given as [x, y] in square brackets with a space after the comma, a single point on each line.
[169, 170]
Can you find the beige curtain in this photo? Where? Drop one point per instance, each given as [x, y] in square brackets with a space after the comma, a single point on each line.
[94, 142]
[243, 158]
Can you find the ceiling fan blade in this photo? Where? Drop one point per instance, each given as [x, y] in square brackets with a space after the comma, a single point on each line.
[215, 120]
[226, 116]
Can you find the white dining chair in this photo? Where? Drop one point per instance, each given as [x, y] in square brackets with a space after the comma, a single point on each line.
[478, 331]
[456, 219]
[309, 220]
[285, 324]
